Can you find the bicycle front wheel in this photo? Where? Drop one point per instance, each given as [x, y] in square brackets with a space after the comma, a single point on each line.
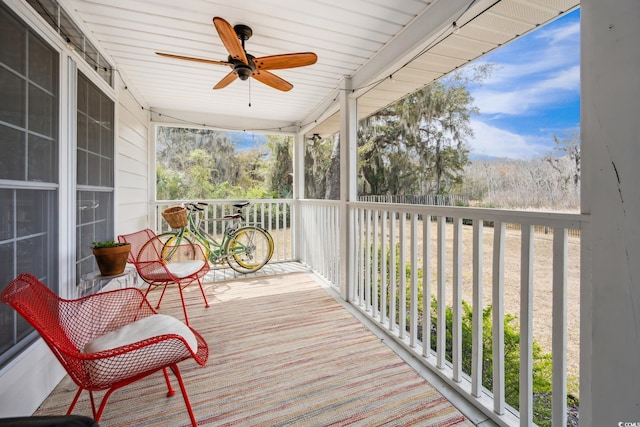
[249, 249]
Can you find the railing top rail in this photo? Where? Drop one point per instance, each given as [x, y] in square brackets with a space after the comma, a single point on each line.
[219, 201]
[550, 219]
[319, 202]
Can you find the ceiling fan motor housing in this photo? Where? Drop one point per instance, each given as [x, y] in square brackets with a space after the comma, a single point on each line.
[243, 70]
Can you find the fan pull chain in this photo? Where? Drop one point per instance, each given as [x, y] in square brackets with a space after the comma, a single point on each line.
[249, 92]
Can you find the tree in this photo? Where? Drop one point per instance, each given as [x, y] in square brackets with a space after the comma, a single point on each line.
[204, 164]
[317, 161]
[550, 181]
[200, 171]
[418, 143]
[281, 165]
[332, 177]
[170, 185]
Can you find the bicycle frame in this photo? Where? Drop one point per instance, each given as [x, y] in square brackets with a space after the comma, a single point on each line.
[195, 233]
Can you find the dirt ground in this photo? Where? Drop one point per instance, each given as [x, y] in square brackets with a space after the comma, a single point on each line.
[542, 280]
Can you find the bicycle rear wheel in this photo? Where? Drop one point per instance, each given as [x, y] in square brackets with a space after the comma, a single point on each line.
[171, 241]
[249, 249]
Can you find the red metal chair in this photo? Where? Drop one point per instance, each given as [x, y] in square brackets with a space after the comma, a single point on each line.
[107, 340]
[181, 265]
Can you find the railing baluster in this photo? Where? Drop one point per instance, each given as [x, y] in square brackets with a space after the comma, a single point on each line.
[360, 257]
[336, 238]
[456, 326]
[277, 236]
[498, 317]
[383, 270]
[413, 302]
[476, 323]
[321, 250]
[559, 334]
[367, 260]
[426, 285]
[526, 325]
[375, 256]
[403, 276]
[392, 272]
[441, 333]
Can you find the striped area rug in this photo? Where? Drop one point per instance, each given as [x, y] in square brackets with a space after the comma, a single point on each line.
[282, 353]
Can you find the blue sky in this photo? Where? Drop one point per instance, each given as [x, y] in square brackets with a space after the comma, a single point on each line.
[533, 93]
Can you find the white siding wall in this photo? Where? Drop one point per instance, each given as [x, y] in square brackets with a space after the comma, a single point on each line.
[133, 147]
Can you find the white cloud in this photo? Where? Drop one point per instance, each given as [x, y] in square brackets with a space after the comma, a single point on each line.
[561, 34]
[495, 142]
[519, 98]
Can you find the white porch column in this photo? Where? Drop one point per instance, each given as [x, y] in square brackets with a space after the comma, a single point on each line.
[610, 132]
[298, 190]
[348, 183]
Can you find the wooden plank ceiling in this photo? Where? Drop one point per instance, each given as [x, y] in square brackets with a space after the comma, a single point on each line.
[367, 40]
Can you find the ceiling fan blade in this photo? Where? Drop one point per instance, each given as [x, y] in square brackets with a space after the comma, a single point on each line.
[288, 60]
[190, 58]
[272, 80]
[226, 80]
[230, 39]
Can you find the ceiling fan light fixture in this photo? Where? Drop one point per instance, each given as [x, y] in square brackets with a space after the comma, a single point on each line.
[243, 71]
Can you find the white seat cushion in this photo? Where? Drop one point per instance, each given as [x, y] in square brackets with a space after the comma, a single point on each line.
[185, 268]
[147, 327]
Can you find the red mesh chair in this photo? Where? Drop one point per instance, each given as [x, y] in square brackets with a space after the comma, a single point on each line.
[159, 266]
[107, 340]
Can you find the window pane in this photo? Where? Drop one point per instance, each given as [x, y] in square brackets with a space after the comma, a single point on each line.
[13, 36]
[31, 255]
[94, 169]
[13, 149]
[85, 237]
[94, 103]
[7, 269]
[41, 107]
[93, 135]
[43, 159]
[14, 106]
[83, 128]
[106, 166]
[42, 64]
[82, 168]
[6, 218]
[82, 95]
[7, 323]
[32, 212]
[95, 216]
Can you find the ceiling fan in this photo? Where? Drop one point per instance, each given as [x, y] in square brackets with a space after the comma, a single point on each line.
[245, 65]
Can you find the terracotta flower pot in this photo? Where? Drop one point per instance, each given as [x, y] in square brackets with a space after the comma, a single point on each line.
[113, 260]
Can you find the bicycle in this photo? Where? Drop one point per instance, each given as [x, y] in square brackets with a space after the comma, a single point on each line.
[245, 247]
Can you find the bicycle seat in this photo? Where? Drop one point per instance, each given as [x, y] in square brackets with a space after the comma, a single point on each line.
[240, 205]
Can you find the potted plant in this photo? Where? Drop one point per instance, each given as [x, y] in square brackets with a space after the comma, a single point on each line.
[111, 256]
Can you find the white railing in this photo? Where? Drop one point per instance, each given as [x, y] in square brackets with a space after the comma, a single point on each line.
[447, 255]
[320, 235]
[275, 215]
[444, 256]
